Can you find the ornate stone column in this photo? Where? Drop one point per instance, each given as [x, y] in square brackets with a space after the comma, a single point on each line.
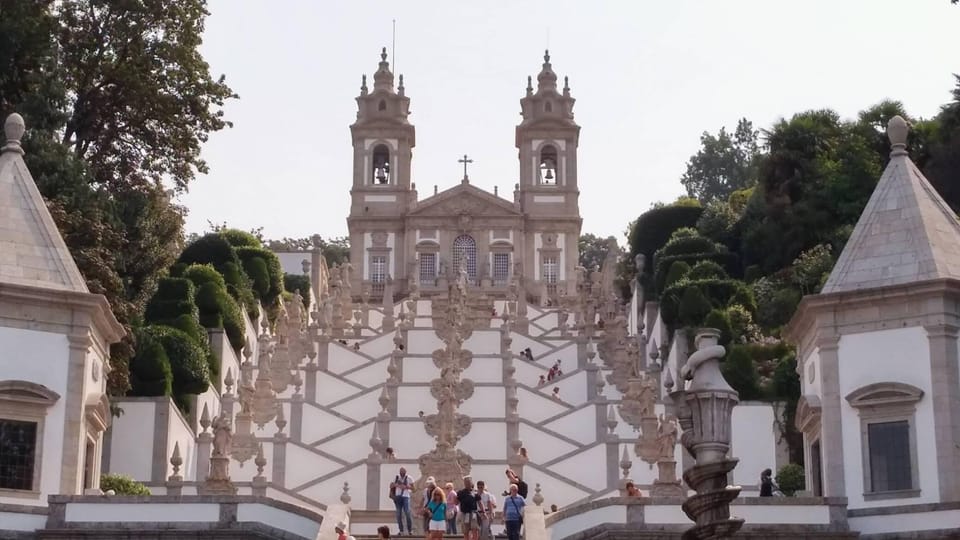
[705, 408]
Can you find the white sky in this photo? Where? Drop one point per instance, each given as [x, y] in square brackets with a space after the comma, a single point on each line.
[648, 76]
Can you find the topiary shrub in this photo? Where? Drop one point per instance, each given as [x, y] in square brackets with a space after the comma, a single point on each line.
[719, 320]
[238, 238]
[188, 360]
[214, 249]
[199, 274]
[294, 282]
[740, 373]
[219, 310]
[122, 485]
[790, 479]
[741, 324]
[707, 270]
[694, 307]
[174, 297]
[678, 271]
[150, 373]
[655, 226]
[273, 285]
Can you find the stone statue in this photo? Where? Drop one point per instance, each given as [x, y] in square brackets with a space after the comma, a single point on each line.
[222, 435]
[667, 438]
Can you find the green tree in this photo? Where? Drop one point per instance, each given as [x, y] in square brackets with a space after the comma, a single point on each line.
[725, 163]
[116, 97]
[594, 249]
[335, 250]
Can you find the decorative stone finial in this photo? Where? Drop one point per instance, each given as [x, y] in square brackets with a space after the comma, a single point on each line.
[383, 54]
[260, 461]
[668, 381]
[400, 86]
[176, 460]
[566, 85]
[229, 381]
[345, 496]
[897, 130]
[281, 420]
[13, 130]
[529, 85]
[546, 56]
[205, 418]
[537, 496]
[625, 463]
[363, 86]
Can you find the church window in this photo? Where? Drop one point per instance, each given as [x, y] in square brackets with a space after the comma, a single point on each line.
[550, 273]
[428, 268]
[18, 448]
[381, 165]
[548, 166]
[378, 273]
[888, 439]
[501, 268]
[465, 248]
[548, 106]
[889, 444]
[382, 106]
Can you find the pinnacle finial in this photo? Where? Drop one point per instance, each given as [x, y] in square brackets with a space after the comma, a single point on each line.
[897, 130]
[383, 54]
[13, 130]
[566, 84]
[546, 56]
[529, 85]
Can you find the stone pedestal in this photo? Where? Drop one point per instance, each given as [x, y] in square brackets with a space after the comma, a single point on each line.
[667, 484]
[218, 483]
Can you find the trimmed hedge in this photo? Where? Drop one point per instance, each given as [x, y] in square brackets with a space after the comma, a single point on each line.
[655, 226]
[238, 238]
[694, 307]
[198, 274]
[214, 249]
[188, 360]
[174, 298]
[122, 485]
[297, 282]
[263, 267]
[740, 373]
[707, 270]
[718, 293]
[678, 271]
[724, 259]
[219, 310]
[150, 372]
[720, 320]
[791, 479]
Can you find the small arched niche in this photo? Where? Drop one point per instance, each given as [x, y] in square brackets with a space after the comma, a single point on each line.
[547, 171]
[381, 165]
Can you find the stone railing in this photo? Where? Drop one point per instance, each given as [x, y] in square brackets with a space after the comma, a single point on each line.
[641, 517]
[20, 521]
[186, 517]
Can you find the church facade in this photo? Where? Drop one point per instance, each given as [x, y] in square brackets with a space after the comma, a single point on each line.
[397, 236]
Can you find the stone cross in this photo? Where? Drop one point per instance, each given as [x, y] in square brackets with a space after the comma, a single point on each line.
[465, 161]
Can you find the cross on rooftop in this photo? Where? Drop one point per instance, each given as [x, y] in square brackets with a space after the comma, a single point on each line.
[465, 161]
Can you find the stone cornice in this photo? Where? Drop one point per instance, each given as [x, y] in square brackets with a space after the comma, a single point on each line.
[916, 304]
[102, 321]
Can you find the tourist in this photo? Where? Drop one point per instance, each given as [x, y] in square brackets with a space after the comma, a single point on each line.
[391, 455]
[429, 487]
[435, 512]
[517, 481]
[542, 381]
[383, 532]
[767, 486]
[400, 490]
[341, 530]
[552, 373]
[553, 509]
[356, 345]
[632, 490]
[467, 510]
[559, 370]
[451, 516]
[523, 453]
[513, 512]
[486, 508]
[556, 393]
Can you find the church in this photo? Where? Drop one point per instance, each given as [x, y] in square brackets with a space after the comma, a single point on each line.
[395, 234]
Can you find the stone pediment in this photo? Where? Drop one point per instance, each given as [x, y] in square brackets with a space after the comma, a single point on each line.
[464, 200]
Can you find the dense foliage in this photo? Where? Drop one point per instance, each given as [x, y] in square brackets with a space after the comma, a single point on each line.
[116, 97]
[122, 485]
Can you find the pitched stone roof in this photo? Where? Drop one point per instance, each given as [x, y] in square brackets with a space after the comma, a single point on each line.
[906, 234]
[32, 252]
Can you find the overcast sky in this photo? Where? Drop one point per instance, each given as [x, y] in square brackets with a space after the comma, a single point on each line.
[649, 77]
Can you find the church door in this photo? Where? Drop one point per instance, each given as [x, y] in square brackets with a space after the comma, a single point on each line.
[465, 246]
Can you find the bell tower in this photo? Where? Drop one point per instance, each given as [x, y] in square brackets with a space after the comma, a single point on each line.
[382, 192]
[548, 192]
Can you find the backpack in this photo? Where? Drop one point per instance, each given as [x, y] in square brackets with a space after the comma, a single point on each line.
[522, 488]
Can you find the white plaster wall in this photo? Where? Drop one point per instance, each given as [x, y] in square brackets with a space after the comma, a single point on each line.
[409, 439]
[378, 346]
[483, 342]
[664, 514]
[292, 261]
[40, 357]
[768, 515]
[573, 388]
[587, 520]
[340, 358]
[318, 424]
[142, 512]
[331, 389]
[811, 366]
[549, 320]
[580, 425]
[279, 519]
[329, 491]
[178, 431]
[13, 521]
[905, 523]
[528, 372]
[896, 355]
[304, 465]
[361, 407]
[586, 467]
[486, 402]
[485, 370]
[753, 443]
[554, 490]
[413, 399]
[132, 439]
[423, 341]
[521, 342]
[486, 440]
[419, 369]
[536, 407]
[542, 446]
[372, 374]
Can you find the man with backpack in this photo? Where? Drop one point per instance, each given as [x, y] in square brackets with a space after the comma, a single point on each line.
[400, 490]
[515, 480]
[467, 501]
[513, 506]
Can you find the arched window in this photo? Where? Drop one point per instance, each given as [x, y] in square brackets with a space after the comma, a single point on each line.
[548, 166]
[464, 246]
[381, 164]
[548, 106]
[382, 106]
